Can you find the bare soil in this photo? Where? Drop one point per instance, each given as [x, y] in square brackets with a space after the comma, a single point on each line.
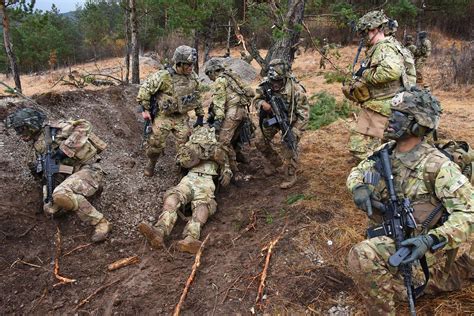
[307, 272]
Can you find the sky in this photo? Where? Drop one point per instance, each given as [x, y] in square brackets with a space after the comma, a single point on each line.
[63, 5]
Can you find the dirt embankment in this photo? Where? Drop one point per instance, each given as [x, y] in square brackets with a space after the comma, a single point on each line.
[316, 220]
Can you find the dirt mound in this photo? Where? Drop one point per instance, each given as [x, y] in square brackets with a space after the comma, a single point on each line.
[316, 220]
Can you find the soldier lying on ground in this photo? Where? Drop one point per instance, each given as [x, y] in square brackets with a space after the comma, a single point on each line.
[71, 146]
[205, 159]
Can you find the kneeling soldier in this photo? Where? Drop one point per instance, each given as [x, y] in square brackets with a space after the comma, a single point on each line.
[66, 154]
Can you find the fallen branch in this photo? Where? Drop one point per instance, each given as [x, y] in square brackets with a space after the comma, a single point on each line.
[123, 263]
[62, 280]
[77, 248]
[269, 248]
[87, 299]
[25, 263]
[197, 263]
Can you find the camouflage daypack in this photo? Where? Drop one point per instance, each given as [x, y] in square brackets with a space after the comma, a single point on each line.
[246, 93]
[202, 145]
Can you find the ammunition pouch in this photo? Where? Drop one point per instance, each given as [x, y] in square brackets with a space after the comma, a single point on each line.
[371, 123]
[356, 91]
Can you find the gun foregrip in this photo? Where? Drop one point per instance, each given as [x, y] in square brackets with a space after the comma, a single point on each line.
[396, 259]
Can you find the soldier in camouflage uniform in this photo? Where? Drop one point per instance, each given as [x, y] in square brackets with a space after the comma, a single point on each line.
[246, 56]
[427, 178]
[230, 101]
[205, 159]
[422, 53]
[75, 148]
[410, 45]
[381, 75]
[284, 85]
[177, 92]
[324, 54]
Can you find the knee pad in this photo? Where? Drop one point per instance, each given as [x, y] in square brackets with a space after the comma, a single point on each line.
[171, 201]
[65, 201]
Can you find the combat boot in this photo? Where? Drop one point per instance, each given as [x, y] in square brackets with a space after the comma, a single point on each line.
[189, 244]
[290, 178]
[150, 167]
[153, 235]
[102, 229]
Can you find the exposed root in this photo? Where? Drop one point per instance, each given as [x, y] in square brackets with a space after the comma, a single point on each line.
[77, 248]
[123, 263]
[62, 280]
[197, 263]
[87, 299]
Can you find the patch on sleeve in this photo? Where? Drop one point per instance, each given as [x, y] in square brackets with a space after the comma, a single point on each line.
[459, 182]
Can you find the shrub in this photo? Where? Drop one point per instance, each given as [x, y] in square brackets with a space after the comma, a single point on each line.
[334, 76]
[324, 110]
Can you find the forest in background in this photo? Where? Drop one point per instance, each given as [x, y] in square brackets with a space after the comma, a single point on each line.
[45, 40]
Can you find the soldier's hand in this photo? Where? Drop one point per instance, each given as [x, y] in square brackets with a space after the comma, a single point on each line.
[217, 126]
[199, 121]
[418, 245]
[361, 196]
[266, 106]
[225, 177]
[146, 115]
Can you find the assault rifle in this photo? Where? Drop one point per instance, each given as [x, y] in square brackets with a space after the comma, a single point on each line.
[49, 166]
[399, 223]
[148, 123]
[278, 116]
[356, 58]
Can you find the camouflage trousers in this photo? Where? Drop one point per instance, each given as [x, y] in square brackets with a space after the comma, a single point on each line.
[322, 63]
[263, 142]
[382, 285]
[162, 127]
[71, 194]
[362, 146]
[197, 189]
[233, 118]
[420, 65]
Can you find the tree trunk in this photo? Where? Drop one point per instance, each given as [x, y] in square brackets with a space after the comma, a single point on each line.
[285, 47]
[127, 43]
[135, 48]
[8, 47]
[196, 46]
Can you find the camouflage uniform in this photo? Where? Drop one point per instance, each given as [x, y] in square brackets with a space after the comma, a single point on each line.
[80, 147]
[295, 95]
[324, 52]
[426, 177]
[176, 95]
[410, 46]
[205, 158]
[230, 99]
[384, 76]
[421, 55]
[368, 259]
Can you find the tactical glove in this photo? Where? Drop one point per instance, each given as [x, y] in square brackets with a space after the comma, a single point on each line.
[59, 155]
[199, 121]
[418, 245]
[361, 196]
[360, 71]
[217, 126]
[225, 177]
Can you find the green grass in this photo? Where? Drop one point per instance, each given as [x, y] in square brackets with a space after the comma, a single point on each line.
[324, 110]
[334, 76]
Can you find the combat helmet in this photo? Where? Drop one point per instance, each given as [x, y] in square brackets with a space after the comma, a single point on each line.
[372, 20]
[184, 54]
[26, 121]
[392, 27]
[278, 69]
[419, 104]
[213, 65]
[422, 34]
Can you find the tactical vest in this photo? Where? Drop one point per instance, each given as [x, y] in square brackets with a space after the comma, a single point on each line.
[408, 62]
[238, 92]
[201, 146]
[184, 97]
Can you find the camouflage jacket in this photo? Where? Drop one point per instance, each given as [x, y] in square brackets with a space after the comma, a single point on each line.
[385, 66]
[294, 94]
[325, 49]
[412, 49]
[229, 91]
[175, 93]
[75, 139]
[450, 187]
[424, 50]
